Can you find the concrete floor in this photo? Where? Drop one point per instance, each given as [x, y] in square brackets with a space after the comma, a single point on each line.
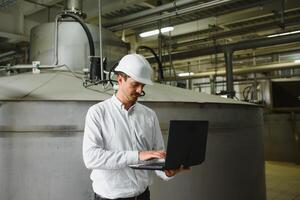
[282, 181]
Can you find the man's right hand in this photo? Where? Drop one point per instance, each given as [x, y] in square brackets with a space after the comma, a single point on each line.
[148, 155]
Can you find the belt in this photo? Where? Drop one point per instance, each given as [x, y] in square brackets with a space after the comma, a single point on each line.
[144, 196]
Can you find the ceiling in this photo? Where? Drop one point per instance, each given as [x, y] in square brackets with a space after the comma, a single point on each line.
[197, 25]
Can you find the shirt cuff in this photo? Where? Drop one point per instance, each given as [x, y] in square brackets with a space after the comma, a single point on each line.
[163, 175]
[132, 157]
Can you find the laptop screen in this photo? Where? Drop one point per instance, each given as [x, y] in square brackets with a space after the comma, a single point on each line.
[186, 143]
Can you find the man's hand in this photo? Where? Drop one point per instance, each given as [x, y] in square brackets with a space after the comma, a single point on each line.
[148, 155]
[173, 172]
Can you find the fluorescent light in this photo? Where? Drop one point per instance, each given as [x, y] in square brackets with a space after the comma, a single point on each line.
[156, 32]
[281, 34]
[186, 74]
[297, 61]
[149, 33]
[167, 29]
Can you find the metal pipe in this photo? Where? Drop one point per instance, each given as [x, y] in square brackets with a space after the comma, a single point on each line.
[201, 6]
[148, 12]
[235, 47]
[248, 70]
[250, 80]
[73, 5]
[56, 39]
[6, 54]
[100, 41]
[229, 73]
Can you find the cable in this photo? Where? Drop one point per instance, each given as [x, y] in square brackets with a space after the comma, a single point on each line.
[112, 69]
[160, 68]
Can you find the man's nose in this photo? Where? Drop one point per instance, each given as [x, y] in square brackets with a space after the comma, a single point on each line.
[139, 89]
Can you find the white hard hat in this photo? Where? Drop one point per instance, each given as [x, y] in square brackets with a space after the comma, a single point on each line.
[137, 67]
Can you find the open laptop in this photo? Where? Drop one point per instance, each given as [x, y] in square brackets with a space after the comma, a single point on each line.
[186, 146]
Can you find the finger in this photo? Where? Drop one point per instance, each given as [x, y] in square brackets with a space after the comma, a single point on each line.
[159, 154]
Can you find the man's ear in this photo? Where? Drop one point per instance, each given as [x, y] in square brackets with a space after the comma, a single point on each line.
[120, 79]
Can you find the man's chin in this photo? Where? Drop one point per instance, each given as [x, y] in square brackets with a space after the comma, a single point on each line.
[134, 98]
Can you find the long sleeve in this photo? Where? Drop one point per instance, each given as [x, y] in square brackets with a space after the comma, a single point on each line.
[94, 154]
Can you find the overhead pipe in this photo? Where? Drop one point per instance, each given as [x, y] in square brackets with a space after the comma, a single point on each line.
[250, 44]
[240, 71]
[239, 31]
[250, 80]
[148, 12]
[141, 20]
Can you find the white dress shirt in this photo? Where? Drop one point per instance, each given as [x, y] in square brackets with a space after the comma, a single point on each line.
[113, 136]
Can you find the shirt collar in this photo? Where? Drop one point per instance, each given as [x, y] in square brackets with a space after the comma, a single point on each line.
[119, 104]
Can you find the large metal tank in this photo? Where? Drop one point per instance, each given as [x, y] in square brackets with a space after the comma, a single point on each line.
[41, 129]
[73, 46]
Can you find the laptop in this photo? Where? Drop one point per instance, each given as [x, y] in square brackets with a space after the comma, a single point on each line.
[186, 146]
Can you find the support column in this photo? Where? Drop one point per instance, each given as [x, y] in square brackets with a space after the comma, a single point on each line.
[229, 73]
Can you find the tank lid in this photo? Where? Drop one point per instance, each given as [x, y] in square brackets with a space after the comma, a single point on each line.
[63, 86]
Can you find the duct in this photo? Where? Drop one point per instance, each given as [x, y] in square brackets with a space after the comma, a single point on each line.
[246, 70]
[148, 12]
[201, 6]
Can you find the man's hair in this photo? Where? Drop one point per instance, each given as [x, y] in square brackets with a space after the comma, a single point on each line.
[125, 76]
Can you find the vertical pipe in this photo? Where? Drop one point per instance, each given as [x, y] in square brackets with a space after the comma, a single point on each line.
[100, 41]
[55, 62]
[229, 73]
[73, 5]
[159, 3]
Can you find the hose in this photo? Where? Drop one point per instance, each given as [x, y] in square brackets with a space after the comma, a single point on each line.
[160, 69]
[86, 30]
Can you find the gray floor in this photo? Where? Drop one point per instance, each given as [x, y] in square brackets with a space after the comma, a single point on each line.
[283, 181]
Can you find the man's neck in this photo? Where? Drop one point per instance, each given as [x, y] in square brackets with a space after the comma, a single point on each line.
[127, 104]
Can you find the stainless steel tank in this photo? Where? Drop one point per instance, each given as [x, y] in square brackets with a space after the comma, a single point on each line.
[73, 47]
[41, 129]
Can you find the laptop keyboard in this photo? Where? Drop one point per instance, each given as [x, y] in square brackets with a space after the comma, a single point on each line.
[155, 164]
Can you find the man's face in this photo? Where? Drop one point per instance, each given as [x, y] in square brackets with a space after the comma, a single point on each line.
[130, 88]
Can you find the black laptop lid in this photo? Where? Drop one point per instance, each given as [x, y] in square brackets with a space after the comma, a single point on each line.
[186, 143]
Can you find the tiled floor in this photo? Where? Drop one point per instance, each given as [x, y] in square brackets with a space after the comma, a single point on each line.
[282, 181]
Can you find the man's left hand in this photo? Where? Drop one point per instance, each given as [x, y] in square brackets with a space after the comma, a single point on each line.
[173, 172]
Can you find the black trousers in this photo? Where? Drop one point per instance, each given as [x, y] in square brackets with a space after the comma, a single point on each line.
[144, 196]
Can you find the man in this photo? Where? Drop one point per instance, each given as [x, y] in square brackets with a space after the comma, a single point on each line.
[119, 132]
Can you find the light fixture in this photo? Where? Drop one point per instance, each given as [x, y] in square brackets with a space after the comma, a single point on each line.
[296, 61]
[281, 34]
[156, 31]
[186, 74]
